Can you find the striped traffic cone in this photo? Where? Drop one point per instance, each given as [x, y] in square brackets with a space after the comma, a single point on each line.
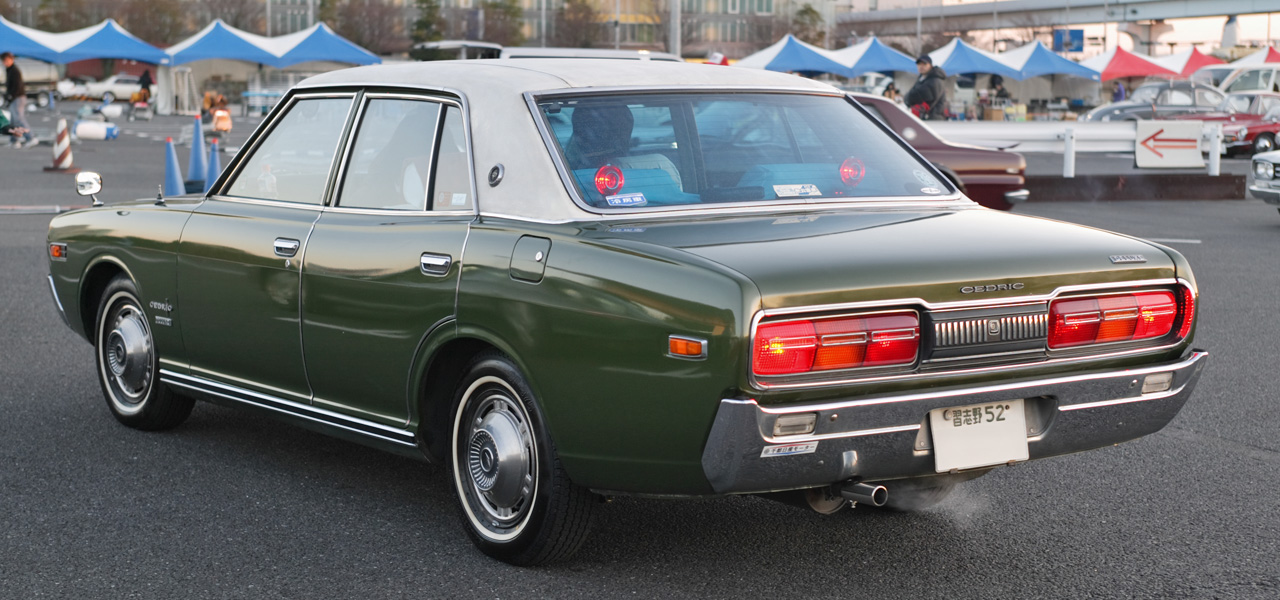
[62, 151]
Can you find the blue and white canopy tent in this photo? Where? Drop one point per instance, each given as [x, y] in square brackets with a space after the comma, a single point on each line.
[790, 55]
[105, 40]
[219, 40]
[1035, 60]
[25, 41]
[959, 58]
[873, 56]
[320, 43]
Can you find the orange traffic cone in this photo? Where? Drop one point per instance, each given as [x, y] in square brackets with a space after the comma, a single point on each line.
[62, 151]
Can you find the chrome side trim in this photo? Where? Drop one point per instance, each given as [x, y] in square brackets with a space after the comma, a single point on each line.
[313, 414]
[927, 203]
[1052, 360]
[57, 301]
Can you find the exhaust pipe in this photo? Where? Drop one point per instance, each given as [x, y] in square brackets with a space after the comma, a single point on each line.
[818, 500]
[875, 495]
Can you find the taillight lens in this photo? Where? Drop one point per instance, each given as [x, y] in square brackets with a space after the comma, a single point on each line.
[803, 346]
[609, 180]
[1113, 318]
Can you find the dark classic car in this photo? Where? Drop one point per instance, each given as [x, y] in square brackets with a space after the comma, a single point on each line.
[1160, 100]
[572, 279]
[993, 178]
[1250, 121]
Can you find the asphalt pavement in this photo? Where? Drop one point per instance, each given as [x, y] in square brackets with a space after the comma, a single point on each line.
[230, 505]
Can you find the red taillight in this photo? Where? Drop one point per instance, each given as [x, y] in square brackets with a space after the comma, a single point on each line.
[789, 347]
[852, 171]
[1111, 318]
[609, 180]
[1188, 312]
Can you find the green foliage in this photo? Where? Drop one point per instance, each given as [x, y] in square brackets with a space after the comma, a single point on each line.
[64, 15]
[158, 22]
[429, 27]
[502, 22]
[576, 25]
[809, 26]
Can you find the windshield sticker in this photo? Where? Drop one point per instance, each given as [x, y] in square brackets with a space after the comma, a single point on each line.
[930, 191]
[789, 449]
[796, 191]
[925, 178]
[624, 200]
[459, 199]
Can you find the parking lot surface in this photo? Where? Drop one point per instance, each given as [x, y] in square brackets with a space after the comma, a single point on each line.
[230, 505]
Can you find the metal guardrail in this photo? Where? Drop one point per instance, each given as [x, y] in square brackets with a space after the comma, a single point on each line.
[1066, 137]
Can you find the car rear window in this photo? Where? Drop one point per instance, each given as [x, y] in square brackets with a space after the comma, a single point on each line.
[663, 150]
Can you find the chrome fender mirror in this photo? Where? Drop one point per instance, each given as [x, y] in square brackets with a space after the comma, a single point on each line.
[89, 183]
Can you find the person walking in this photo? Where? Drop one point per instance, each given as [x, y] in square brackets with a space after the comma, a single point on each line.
[15, 92]
[928, 97]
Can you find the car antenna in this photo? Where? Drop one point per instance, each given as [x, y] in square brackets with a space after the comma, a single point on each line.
[160, 195]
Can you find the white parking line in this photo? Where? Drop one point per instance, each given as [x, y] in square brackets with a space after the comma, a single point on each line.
[1173, 241]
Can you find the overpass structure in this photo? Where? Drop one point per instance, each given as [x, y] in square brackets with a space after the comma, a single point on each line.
[1041, 13]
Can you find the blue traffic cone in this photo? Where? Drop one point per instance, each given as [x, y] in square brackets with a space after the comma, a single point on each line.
[215, 168]
[172, 172]
[196, 174]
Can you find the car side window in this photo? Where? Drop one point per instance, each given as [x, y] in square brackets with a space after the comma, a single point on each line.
[1175, 98]
[1208, 98]
[451, 188]
[390, 162]
[292, 163]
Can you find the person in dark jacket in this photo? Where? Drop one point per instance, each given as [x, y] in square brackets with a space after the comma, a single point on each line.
[15, 92]
[145, 82]
[928, 97]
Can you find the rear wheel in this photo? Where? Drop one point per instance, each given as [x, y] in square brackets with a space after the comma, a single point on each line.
[517, 503]
[1265, 142]
[128, 368]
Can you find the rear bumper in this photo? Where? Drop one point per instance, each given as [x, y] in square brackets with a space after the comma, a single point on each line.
[888, 437]
[1017, 196]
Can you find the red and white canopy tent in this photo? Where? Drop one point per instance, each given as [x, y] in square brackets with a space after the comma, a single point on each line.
[1117, 63]
[1186, 62]
[1265, 55]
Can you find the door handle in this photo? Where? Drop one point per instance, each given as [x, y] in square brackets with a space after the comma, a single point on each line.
[286, 247]
[435, 264]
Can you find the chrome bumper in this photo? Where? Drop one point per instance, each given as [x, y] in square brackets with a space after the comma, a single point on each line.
[888, 438]
[1266, 190]
[1017, 196]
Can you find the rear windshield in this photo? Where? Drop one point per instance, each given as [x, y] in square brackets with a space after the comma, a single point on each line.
[662, 150]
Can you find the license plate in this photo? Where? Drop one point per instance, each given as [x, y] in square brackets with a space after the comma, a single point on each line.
[981, 435]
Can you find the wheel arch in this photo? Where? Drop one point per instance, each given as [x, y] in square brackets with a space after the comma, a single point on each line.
[96, 276]
[438, 382]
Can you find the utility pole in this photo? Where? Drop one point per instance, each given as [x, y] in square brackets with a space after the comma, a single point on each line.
[543, 25]
[617, 24]
[268, 18]
[919, 38]
[311, 12]
[674, 46]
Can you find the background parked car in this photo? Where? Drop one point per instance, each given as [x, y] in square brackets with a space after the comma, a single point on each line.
[1264, 78]
[1160, 100]
[993, 178]
[1264, 178]
[121, 86]
[1249, 121]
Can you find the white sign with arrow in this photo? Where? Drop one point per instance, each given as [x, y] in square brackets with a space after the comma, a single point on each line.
[1168, 145]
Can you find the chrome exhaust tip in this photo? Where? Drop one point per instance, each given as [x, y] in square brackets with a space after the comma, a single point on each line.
[865, 493]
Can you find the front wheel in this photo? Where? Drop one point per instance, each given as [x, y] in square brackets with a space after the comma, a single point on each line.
[517, 503]
[1265, 142]
[128, 368]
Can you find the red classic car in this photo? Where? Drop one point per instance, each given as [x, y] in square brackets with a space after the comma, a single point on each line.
[1250, 121]
[992, 178]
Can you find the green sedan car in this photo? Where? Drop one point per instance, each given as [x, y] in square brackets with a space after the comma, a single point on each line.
[571, 279]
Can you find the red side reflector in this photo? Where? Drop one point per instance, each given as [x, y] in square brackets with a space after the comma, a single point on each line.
[609, 180]
[803, 346]
[1111, 318]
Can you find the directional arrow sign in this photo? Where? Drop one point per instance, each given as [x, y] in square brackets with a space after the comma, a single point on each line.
[1168, 144]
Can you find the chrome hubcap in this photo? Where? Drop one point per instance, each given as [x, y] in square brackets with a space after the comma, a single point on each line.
[128, 353]
[1264, 145]
[499, 459]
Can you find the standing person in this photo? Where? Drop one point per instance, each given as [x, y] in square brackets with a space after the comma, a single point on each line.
[891, 91]
[928, 97]
[146, 82]
[15, 91]
[1117, 91]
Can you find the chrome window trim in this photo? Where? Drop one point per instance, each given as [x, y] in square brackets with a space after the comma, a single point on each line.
[566, 178]
[723, 209]
[349, 145]
[259, 202]
[265, 128]
[1051, 358]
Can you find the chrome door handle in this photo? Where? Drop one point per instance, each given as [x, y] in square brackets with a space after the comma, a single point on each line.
[286, 247]
[436, 264]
